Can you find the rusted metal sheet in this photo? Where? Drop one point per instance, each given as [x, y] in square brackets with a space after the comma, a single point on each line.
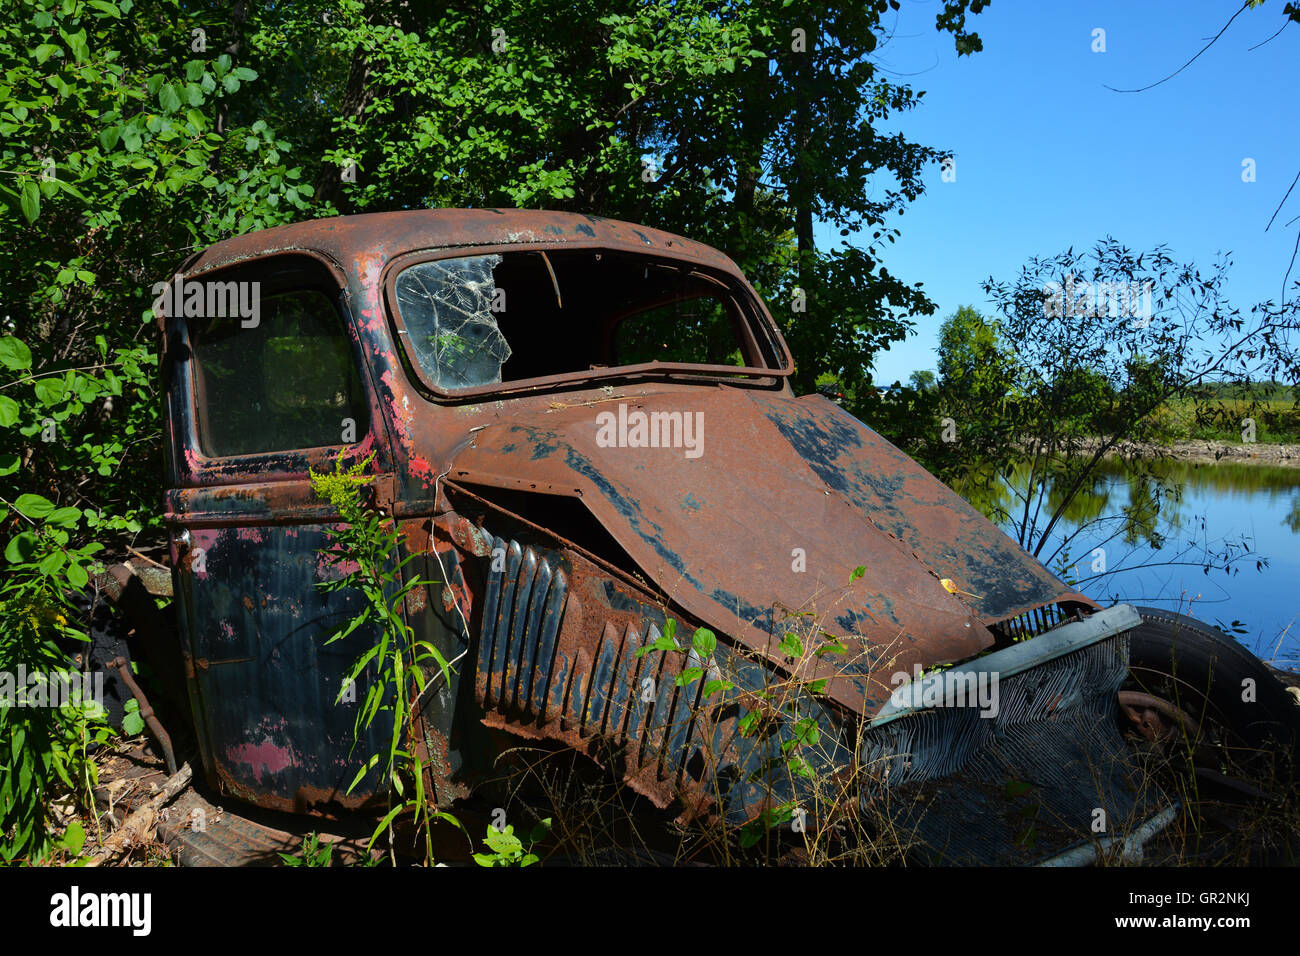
[344, 241]
[262, 680]
[758, 529]
[557, 659]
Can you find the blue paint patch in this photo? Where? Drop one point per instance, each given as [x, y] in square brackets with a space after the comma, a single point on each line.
[631, 511]
[758, 617]
[690, 503]
[586, 230]
[545, 443]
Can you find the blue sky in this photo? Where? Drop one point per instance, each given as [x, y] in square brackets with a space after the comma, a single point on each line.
[1047, 157]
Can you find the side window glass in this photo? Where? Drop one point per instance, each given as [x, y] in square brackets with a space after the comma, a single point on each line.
[447, 308]
[286, 382]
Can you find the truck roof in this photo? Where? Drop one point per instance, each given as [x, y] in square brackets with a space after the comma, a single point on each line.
[374, 238]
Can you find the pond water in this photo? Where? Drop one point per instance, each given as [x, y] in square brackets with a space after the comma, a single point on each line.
[1187, 516]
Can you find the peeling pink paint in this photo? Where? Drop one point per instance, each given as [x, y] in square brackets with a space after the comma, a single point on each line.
[421, 469]
[366, 445]
[202, 541]
[332, 572]
[368, 270]
[265, 758]
[401, 411]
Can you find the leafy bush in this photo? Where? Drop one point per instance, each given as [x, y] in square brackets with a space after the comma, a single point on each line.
[47, 725]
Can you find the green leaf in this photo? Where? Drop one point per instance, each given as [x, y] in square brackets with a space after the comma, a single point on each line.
[9, 462]
[383, 824]
[34, 506]
[806, 732]
[64, 517]
[540, 831]
[689, 676]
[791, 646]
[14, 354]
[834, 647]
[169, 99]
[857, 573]
[20, 548]
[30, 201]
[45, 51]
[77, 575]
[49, 391]
[132, 724]
[705, 642]
[52, 563]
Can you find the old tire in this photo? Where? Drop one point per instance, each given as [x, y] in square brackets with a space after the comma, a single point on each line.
[1226, 690]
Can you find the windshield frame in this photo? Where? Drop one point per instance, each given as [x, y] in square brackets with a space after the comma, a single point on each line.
[758, 324]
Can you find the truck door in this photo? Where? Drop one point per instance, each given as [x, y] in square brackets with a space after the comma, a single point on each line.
[266, 379]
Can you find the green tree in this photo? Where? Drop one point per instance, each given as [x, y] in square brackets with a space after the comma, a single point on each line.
[1084, 348]
[113, 167]
[737, 124]
[923, 380]
[975, 362]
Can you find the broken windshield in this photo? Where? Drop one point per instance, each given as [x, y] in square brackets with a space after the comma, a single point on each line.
[447, 309]
[483, 320]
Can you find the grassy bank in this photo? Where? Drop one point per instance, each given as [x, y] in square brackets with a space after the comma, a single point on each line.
[1233, 419]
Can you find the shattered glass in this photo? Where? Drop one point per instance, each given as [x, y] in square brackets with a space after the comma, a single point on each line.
[447, 308]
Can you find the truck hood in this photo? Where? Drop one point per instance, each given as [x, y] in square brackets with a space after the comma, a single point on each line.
[752, 510]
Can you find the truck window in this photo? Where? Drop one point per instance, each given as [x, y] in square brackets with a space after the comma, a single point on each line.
[482, 320]
[448, 309]
[288, 382]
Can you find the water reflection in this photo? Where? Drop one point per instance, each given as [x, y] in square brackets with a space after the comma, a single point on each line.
[1147, 533]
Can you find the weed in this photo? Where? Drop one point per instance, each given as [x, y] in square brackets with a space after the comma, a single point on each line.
[367, 544]
[313, 853]
[506, 849]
